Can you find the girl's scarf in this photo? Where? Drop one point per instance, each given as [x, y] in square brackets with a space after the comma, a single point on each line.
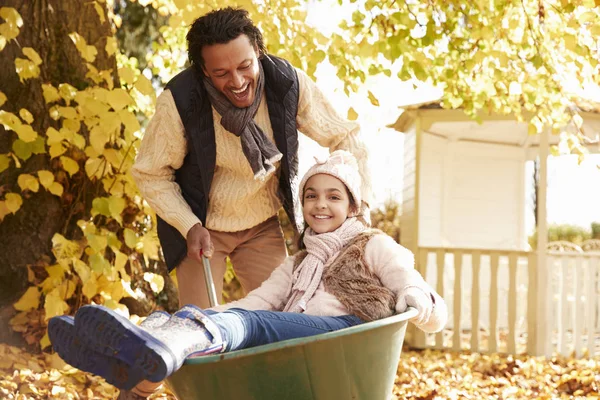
[321, 249]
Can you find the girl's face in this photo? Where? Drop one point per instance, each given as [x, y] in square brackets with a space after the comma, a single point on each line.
[326, 203]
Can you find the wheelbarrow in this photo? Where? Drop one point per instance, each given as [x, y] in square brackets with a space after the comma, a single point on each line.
[359, 362]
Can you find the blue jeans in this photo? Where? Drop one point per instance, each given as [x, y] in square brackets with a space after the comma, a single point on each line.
[242, 329]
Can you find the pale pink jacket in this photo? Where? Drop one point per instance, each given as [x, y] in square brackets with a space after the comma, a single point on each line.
[392, 263]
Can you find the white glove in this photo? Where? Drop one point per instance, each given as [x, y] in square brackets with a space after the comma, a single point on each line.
[419, 299]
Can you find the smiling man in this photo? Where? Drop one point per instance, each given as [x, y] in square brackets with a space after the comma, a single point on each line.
[220, 156]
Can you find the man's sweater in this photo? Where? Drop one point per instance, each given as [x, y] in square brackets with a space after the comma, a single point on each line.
[237, 200]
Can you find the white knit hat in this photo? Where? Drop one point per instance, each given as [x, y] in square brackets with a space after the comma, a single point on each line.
[343, 166]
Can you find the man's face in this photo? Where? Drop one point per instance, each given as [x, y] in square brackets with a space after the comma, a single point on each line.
[233, 69]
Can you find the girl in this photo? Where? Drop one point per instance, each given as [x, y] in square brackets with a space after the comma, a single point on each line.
[344, 275]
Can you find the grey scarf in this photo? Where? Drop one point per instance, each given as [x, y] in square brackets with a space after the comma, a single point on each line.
[260, 152]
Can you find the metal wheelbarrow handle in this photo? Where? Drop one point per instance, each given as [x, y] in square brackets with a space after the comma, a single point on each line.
[210, 284]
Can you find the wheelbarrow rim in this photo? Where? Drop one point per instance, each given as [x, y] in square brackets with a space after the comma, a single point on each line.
[408, 314]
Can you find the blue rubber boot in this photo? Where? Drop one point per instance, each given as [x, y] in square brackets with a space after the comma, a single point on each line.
[157, 352]
[61, 331]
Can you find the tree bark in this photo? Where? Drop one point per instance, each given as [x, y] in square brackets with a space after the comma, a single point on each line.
[26, 237]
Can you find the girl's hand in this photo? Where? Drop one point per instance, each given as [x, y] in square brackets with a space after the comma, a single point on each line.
[419, 299]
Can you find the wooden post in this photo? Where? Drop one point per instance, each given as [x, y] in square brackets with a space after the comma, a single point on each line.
[543, 295]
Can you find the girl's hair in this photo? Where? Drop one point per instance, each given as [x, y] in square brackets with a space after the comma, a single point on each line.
[219, 27]
[353, 208]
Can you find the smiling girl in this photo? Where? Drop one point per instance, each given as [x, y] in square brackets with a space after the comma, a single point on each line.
[345, 274]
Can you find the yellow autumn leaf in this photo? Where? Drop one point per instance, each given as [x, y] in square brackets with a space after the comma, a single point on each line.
[113, 157]
[26, 116]
[13, 202]
[26, 69]
[56, 189]
[9, 120]
[107, 75]
[131, 238]
[93, 106]
[120, 262]
[130, 121]
[78, 141]
[67, 112]
[32, 55]
[45, 342]
[53, 136]
[28, 182]
[26, 133]
[87, 52]
[90, 287]
[99, 264]
[66, 289]
[100, 206]
[144, 86]
[157, 282]
[98, 139]
[56, 150]
[64, 249]
[115, 291]
[116, 205]
[373, 99]
[150, 245]
[46, 178]
[127, 75]
[119, 98]
[67, 92]
[82, 269]
[10, 29]
[2, 99]
[4, 162]
[69, 165]
[29, 301]
[50, 93]
[54, 305]
[111, 45]
[97, 242]
[2, 39]
[100, 11]
[72, 125]
[93, 74]
[352, 114]
[94, 167]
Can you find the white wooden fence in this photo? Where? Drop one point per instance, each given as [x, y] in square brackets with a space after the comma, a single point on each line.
[492, 298]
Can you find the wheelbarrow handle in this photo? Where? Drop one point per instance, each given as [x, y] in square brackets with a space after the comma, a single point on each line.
[210, 284]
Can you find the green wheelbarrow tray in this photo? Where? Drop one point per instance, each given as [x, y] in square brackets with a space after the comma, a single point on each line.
[353, 363]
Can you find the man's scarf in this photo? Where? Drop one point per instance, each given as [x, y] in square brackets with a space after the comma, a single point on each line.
[260, 152]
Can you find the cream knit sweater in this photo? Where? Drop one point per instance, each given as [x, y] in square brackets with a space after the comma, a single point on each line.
[237, 201]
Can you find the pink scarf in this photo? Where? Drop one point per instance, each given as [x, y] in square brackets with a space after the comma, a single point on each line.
[321, 249]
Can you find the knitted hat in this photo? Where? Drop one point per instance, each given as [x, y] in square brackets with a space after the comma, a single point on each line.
[340, 164]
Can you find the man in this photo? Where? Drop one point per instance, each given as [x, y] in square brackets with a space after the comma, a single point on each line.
[220, 156]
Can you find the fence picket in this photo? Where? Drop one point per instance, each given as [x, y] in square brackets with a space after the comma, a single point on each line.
[440, 258]
[458, 255]
[476, 262]
[493, 339]
[512, 303]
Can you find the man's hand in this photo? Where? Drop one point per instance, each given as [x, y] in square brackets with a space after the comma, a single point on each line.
[199, 243]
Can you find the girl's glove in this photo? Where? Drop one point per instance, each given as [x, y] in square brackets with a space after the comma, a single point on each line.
[419, 299]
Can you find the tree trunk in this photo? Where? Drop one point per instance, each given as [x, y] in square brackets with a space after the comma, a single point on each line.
[25, 238]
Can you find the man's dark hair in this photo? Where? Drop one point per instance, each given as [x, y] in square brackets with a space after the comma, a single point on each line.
[219, 27]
